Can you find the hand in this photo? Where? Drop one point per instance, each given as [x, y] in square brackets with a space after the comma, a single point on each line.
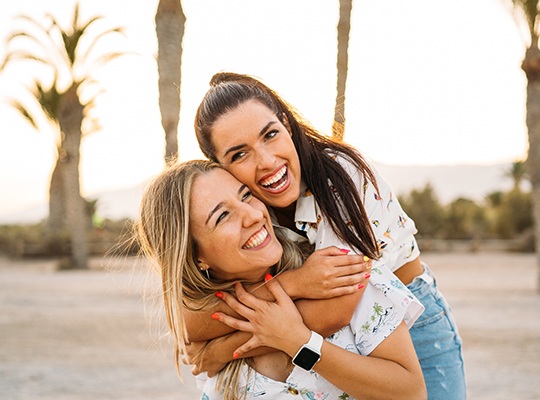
[328, 273]
[204, 358]
[274, 324]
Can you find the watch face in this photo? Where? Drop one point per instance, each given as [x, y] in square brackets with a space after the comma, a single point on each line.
[306, 358]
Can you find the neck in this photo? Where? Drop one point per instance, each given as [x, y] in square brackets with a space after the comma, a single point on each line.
[285, 216]
[254, 276]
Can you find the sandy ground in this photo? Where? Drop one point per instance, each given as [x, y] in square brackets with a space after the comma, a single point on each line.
[90, 334]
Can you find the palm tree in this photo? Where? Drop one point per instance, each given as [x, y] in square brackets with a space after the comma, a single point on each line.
[170, 23]
[343, 29]
[531, 67]
[60, 50]
[517, 173]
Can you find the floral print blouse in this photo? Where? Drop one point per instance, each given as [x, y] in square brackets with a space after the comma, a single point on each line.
[385, 303]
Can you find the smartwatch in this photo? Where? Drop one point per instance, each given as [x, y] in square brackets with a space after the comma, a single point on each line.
[310, 353]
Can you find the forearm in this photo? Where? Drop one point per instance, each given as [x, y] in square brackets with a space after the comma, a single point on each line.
[391, 371]
[369, 377]
[225, 351]
[322, 316]
[201, 327]
[328, 316]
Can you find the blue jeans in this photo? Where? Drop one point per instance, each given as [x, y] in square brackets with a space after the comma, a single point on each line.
[437, 342]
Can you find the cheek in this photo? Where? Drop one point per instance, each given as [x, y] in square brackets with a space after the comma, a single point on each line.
[244, 172]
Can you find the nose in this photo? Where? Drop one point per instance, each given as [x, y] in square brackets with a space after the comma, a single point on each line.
[265, 159]
[250, 215]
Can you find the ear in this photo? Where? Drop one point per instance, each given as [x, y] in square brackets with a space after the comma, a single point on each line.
[285, 123]
[203, 266]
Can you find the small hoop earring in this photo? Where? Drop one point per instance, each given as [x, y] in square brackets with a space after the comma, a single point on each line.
[207, 273]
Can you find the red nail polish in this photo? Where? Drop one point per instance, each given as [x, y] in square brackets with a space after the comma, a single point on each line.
[360, 285]
[215, 316]
[236, 355]
[346, 251]
[267, 277]
[219, 294]
[367, 276]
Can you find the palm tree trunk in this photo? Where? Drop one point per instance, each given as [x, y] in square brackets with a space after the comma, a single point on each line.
[343, 29]
[531, 66]
[71, 114]
[170, 23]
[56, 221]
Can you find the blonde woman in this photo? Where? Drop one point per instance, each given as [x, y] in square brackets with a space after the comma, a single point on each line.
[208, 236]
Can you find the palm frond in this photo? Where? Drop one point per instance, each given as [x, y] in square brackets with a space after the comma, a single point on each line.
[37, 25]
[96, 39]
[85, 27]
[104, 59]
[75, 21]
[22, 34]
[92, 125]
[21, 55]
[21, 108]
[530, 9]
[49, 99]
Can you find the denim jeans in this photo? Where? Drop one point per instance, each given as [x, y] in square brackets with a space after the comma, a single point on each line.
[437, 342]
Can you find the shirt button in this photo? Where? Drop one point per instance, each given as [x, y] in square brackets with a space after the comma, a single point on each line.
[293, 391]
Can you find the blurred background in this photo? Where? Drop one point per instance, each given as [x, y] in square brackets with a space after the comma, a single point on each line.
[434, 93]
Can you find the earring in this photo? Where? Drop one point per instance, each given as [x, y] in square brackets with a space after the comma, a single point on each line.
[207, 273]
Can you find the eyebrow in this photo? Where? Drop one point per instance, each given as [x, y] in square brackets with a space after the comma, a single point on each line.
[240, 146]
[221, 203]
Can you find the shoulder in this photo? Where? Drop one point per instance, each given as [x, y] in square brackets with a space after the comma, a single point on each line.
[345, 162]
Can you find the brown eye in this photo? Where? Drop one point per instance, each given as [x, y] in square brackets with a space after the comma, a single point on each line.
[246, 195]
[237, 156]
[222, 216]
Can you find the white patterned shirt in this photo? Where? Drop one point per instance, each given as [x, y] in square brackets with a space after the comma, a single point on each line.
[386, 302]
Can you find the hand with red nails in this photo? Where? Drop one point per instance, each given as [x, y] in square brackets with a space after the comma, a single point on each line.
[273, 324]
[327, 273]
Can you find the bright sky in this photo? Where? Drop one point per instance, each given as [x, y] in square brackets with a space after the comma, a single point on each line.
[430, 83]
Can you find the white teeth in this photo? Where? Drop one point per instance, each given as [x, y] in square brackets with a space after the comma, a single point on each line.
[276, 177]
[256, 239]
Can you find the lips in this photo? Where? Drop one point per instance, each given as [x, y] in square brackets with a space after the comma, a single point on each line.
[257, 239]
[277, 181]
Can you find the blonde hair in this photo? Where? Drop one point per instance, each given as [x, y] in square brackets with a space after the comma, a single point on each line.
[163, 233]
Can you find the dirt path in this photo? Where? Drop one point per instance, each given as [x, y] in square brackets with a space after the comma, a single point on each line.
[89, 334]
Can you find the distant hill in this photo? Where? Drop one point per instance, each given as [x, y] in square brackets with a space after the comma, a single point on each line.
[449, 182]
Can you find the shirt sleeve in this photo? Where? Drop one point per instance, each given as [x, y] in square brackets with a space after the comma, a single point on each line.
[393, 228]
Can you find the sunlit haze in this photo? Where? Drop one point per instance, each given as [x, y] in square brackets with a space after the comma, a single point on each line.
[430, 83]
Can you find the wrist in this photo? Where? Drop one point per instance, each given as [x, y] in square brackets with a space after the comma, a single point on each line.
[309, 353]
[287, 282]
[297, 341]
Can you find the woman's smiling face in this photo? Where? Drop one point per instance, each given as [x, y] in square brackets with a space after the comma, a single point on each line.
[256, 147]
[232, 228]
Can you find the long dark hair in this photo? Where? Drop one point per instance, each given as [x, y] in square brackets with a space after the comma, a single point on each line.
[316, 152]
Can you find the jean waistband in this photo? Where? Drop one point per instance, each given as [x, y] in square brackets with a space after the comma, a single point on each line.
[426, 276]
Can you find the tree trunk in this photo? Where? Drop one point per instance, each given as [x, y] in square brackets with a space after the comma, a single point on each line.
[170, 23]
[71, 114]
[56, 220]
[343, 30]
[531, 66]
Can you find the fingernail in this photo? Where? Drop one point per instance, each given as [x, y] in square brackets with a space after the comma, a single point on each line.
[267, 277]
[346, 251]
[366, 258]
[236, 355]
[219, 294]
[215, 316]
[360, 286]
[367, 276]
